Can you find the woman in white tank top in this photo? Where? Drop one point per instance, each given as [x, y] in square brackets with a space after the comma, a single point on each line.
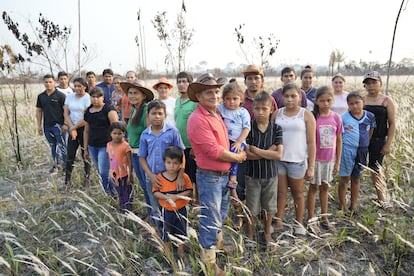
[298, 161]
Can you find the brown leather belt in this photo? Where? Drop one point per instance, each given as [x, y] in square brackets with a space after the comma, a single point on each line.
[218, 173]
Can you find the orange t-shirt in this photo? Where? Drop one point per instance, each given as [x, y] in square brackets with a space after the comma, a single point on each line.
[126, 106]
[170, 187]
[118, 160]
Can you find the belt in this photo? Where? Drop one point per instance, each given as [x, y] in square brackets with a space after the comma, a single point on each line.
[218, 173]
[135, 150]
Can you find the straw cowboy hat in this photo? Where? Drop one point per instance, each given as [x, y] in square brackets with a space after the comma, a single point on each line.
[204, 82]
[163, 81]
[149, 96]
[253, 70]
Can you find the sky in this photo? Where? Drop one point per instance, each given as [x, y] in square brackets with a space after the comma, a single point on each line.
[308, 30]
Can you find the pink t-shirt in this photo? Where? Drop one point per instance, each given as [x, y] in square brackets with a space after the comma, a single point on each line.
[327, 128]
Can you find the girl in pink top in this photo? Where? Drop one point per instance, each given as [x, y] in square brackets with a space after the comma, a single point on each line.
[329, 130]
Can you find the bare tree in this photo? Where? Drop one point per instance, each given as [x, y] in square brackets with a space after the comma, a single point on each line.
[265, 46]
[176, 40]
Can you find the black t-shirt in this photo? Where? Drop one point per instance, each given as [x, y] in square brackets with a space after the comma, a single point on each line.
[52, 107]
[98, 126]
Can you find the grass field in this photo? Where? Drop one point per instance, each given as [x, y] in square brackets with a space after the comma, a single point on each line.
[46, 230]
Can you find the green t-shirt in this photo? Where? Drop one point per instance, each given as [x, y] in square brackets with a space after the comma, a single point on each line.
[182, 112]
[134, 132]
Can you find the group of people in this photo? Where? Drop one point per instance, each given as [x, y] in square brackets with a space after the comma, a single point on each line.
[227, 144]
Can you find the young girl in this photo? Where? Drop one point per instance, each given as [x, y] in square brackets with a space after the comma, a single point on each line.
[383, 108]
[237, 121]
[306, 76]
[120, 159]
[328, 155]
[298, 161]
[358, 128]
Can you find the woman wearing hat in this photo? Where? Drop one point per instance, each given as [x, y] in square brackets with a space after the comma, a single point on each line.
[163, 87]
[138, 96]
[210, 142]
[383, 108]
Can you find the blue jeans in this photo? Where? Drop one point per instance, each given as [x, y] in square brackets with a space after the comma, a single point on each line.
[155, 207]
[141, 178]
[57, 142]
[214, 202]
[100, 158]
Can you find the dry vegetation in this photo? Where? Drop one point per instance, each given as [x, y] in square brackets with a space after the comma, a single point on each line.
[49, 231]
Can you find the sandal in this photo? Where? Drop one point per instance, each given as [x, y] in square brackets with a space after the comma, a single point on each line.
[249, 244]
[328, 226]
[299, 231]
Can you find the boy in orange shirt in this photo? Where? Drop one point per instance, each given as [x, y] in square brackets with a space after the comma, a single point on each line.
[173, 203]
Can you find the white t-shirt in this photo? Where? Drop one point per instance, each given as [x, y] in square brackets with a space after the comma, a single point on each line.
[67, 91]
[170, 104]
[340, 104]
[77, 106]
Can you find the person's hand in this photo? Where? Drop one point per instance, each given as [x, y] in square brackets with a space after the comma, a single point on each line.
[386, 149]
[171, 200]
[73, 133]
[86, 154]
[242, 156]
[236, 146]
[180, 184]
[155, 181]
[309, 173]
[40, 131]
[64, 128]
[336, 169]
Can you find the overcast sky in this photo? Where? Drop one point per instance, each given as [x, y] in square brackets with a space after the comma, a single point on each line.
[308, 30]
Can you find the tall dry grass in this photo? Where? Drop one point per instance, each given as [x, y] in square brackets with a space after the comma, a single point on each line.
[46, 230]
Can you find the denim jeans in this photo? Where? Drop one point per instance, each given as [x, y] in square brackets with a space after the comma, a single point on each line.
[100, 158]
[57, 142]
[155, 208]
[214, 202]
[141, 178]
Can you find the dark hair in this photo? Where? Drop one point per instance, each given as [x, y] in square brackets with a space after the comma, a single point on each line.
[354, 94]
[233, 87]
[62, 74]
[90, 73]
[117, 125]
[291, 85]
[97, 91]
[48, 76]
[157, 104]
[308, 69]
[107, 71]
[174, 152]
[83, 82]
[287, 70]
[262, 97]
[323, 90]
[186, 75]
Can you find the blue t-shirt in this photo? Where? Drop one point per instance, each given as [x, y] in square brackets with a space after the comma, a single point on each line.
[153, 147]
[235, 121]
[356, 132]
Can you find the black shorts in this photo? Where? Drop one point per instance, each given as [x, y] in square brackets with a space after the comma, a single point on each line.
[174, 223]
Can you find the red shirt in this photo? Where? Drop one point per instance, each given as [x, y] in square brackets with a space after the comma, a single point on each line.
[208, 137]
[248, 104]
[126, 106]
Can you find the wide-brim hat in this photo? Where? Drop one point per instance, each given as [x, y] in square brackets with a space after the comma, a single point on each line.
[253, 70]
[149, 96]
[373, 75]
[204, 82]
[163, 81]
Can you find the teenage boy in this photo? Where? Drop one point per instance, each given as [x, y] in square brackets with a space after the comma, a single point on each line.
[154, 140]
[63, 79]
[288, 75]
[264, 146]
[49, 110]
[107, 85]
